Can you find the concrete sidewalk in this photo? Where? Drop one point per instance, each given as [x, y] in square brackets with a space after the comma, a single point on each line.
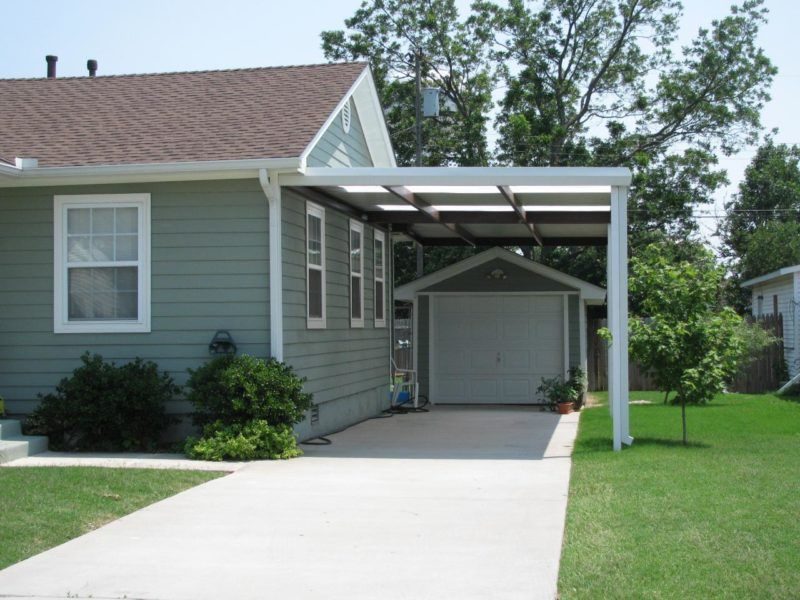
[123, 460]
[461, 503]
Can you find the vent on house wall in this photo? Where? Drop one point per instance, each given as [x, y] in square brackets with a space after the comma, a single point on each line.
[315, 414]
[346, 116]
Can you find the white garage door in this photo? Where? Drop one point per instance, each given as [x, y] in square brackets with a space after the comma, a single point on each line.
[495, 349]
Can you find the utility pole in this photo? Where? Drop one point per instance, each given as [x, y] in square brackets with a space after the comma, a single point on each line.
[418, 131]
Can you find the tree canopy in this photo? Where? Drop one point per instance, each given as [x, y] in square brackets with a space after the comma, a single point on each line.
[762, 225]
[577, 82]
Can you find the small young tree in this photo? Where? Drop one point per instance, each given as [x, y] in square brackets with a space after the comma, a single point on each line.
[690, 344]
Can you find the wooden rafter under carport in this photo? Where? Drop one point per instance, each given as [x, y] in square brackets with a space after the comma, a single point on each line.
[430, 213]
[519, 209]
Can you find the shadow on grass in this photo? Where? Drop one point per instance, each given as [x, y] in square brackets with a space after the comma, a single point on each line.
[603, 444]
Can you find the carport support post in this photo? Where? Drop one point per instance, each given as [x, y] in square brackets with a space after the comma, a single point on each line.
[617, 264]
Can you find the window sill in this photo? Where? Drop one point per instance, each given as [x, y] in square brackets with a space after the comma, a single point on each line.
[102, 327]
[316, 324]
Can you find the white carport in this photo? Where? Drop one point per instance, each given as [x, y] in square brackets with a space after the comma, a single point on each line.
[498, 206]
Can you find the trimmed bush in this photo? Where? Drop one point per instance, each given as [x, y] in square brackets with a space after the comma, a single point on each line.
[254, 440]
[247, 407]
[239, 389]
[103, 407]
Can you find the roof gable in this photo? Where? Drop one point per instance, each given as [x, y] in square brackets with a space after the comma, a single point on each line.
[238, 114]
[445, 279]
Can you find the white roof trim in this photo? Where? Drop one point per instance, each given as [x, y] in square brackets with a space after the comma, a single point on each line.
[775, 274]
[376, 133]
[185, 171]
[588, 291]
[463, 176]
[369, 110]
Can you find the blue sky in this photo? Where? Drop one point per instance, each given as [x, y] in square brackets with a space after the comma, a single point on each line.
[179, 35]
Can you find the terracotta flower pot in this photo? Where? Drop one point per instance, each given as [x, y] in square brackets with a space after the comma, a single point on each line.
[564, 408]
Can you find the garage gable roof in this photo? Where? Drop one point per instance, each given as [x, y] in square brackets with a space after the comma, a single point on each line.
[589, 291]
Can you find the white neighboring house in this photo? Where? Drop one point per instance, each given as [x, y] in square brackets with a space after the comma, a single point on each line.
[779, 292]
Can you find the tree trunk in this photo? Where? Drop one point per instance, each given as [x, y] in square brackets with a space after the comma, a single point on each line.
[683, 418]
[666, 396]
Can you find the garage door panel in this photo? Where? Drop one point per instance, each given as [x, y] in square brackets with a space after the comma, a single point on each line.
[449, 389]
[516, 329]
[484, 304]
[518, 360]
[550, 333]
[470, 332]
[483, 329]
[548, 362]
[515, 305]
[453, 361]
[517, 391]
[483, 360]
[547, 305]
[483, 390]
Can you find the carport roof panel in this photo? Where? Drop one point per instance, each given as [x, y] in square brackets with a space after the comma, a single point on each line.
[472, 204]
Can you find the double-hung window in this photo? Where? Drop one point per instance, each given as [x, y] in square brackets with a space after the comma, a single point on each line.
[356, 274]
[315, 266]
[101, 263]
[380, 279]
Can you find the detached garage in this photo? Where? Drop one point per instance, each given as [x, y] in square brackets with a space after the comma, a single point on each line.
[489, 328]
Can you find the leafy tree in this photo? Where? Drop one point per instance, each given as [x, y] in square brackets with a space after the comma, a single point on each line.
[586, 82]
[765, 212]
[681, 336]
[771, 247]
[389, 33]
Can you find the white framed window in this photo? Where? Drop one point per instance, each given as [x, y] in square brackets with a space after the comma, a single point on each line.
[356, 274]
[101, 263]
[315, 266]
[380, 278]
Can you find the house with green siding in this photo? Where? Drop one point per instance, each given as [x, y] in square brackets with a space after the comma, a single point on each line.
[141, 214]
[148, 215]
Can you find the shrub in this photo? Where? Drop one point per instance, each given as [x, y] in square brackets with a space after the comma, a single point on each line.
[236, 390]
[253, 440]
[247, 407]
[104, 407]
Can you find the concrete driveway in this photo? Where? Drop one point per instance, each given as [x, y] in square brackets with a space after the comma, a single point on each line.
[461, 503]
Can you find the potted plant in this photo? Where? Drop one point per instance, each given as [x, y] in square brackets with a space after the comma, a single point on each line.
[580, 383]
[560, 395]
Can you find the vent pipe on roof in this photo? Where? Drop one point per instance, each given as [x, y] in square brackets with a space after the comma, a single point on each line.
[91, 64]
[51, 66]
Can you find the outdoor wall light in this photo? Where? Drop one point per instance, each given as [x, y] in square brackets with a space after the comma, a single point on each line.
[222, 343]
[497, 275]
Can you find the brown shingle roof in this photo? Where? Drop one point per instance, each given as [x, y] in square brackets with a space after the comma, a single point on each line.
[170, 117]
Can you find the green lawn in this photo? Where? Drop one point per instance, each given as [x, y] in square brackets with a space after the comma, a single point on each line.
[717, 519]
[41, 507]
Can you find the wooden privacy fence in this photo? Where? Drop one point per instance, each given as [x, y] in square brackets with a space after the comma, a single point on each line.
[762, 374]
[598, 363]
[767, 370]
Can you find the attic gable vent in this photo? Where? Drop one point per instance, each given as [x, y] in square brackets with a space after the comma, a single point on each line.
[346, 116]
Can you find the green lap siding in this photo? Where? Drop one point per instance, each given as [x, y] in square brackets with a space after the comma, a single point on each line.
[209, 271]
[347, 367]
[337, 148]
[573, 304]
